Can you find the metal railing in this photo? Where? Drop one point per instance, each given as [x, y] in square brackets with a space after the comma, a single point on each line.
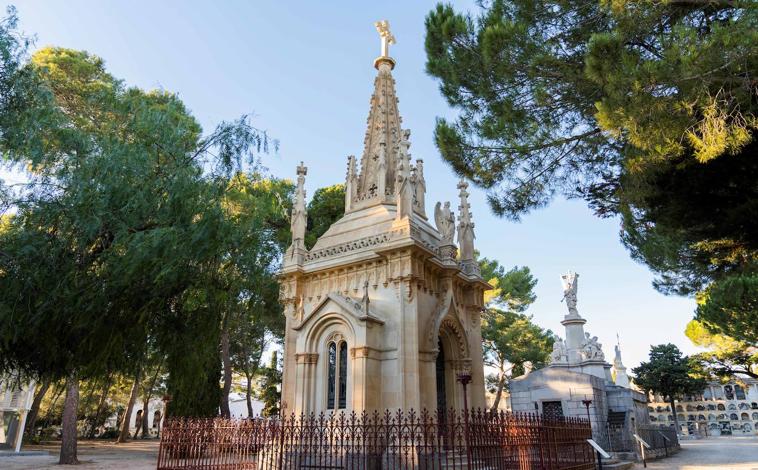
[453, 440]
[659, 438]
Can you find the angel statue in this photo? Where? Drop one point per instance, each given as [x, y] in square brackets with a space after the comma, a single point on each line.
[570, 284]
[445, 221]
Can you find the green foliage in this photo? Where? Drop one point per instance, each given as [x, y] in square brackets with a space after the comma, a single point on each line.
[731, 307]
[326, 207]
[513, 289]
[561, 97]
[270, 392]
[509, 336]
[513, 338]
[644, 109]
[726, 356]
[132, 232]
[668, 373]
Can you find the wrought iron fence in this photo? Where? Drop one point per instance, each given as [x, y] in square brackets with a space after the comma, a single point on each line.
[451, 440]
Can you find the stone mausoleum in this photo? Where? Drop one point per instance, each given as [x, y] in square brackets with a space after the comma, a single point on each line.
[383, 312]
[579, 382]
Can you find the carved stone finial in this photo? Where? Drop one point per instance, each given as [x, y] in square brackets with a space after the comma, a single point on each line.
[351, 183]
[465, 226]
[365, 301]
[403, 183]
[299, 216]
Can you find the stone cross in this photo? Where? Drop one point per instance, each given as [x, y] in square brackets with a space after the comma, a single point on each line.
[302, 170]
[383, 28]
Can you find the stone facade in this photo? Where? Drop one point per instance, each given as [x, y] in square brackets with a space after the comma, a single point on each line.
[578, 376]
[723, 409]
[380, 312]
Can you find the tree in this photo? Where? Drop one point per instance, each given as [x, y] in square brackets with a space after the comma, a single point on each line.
[727, 357]
[326, 207]
[509, 336]
[668, 374]
[730, 306]
[271, 393]
[559, 97]
[646, 110]
[117, 233]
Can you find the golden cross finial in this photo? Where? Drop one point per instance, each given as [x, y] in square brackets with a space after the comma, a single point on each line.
[383, 28]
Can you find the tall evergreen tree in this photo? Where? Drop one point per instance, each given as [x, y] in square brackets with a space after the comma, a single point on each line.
[116, 239]
[668, 373]
[645, 109]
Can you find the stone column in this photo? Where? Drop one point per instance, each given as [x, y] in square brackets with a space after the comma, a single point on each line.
[574, 325]
[304, 385]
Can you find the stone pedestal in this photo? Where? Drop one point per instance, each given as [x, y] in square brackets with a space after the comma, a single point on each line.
[574, 325]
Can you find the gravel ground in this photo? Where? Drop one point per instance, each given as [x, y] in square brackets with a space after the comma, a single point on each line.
[136, 455]
[722, 453]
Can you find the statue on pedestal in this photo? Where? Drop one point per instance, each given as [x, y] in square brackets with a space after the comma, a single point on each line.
[570, 285]
[445, 221]
[592, 349]
[559, 354]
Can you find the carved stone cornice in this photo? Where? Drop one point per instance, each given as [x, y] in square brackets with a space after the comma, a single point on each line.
[306, 358]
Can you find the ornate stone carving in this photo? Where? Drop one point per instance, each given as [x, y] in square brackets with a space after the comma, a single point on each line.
[570, 285]
[299, 215]
[419, 188]
[466, 233]
[592, 350]
[403, 183]
[559, 354]
[351, 183]
[335, 337]
[445, 221]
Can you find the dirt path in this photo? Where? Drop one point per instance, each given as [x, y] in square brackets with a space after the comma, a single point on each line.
[722, 453]
[136, 455]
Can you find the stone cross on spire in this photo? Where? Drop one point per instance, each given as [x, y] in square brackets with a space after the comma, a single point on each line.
[383, 28]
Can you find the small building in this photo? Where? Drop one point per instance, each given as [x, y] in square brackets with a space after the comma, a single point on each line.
[580, 383]
[16, 398]
[723, 409]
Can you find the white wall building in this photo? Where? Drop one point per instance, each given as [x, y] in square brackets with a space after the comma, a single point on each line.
[15, 403]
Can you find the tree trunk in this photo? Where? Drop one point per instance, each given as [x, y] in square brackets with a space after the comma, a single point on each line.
[58, 391]
[146, 403]
[673, 412]
[124, 435]
[31, 419]
[227, 361]
[68, 441]
[499, 393]
[100, 405]
[248, 393]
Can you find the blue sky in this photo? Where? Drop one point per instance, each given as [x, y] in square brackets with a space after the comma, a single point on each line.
[304, 70]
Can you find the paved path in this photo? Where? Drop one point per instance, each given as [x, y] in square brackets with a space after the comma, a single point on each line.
[722, 453]
[135, 455]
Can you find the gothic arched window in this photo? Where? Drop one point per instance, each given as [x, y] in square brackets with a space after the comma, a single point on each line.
[336, 388]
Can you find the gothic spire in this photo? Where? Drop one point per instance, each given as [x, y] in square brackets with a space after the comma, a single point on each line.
[381, 143]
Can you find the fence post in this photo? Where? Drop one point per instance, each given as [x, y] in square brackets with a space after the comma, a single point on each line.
[464, 378]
